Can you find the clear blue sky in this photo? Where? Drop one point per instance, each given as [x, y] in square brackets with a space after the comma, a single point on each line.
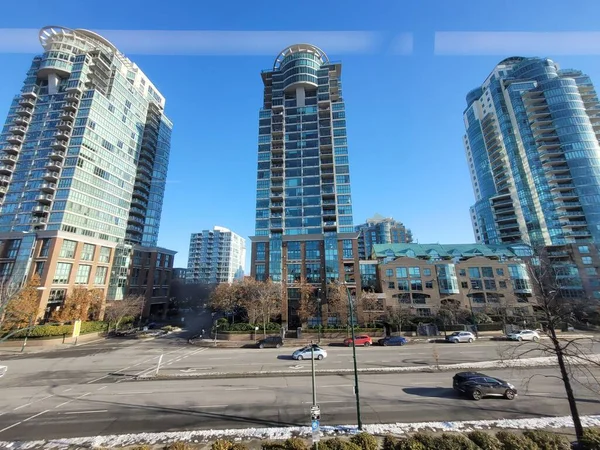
[404, 102]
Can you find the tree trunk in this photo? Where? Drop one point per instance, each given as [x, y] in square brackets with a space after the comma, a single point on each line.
[567, 382]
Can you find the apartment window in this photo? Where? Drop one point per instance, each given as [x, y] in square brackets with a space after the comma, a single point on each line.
[416, 285]
[260, 251]
[591, 271]
[68, 249]
[462, 273]
[490, 285]
[586, 259]
[426, 272]
[414, 272]
[39, 267]
[403, 285]
[83, 274]
[487, 272]
[476, 284]
[502, 284]
[87, 253]
[429, 284]
[104, 255]
[401, 272]
[45, 248]
[500, 272]
[474, 272]
[464, 285]
[584, 249]
[596, 294]
[57, 296]
[6, 269]
[389, 272]
[13, 248]
[62, 274]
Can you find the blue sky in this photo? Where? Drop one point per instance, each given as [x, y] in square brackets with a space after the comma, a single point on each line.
[404, 91]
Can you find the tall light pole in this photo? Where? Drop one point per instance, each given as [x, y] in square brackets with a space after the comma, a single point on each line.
[356, 393]
[472, 313]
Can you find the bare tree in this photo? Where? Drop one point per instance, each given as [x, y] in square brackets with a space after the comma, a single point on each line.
[367, 306]
[268, 297]
[307, 303]
[8, 291]
[337, 302]
[117, 310]
[555, 308]
[398, 316]
[224, 298]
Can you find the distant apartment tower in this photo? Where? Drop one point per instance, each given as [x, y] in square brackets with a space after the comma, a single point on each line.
[216, 256]
[532, 145]
[380, 230]
[84, 152]
[304, 226]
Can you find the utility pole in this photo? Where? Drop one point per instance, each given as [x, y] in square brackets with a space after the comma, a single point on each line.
[356, 393]
[315, 411]
[27, 335]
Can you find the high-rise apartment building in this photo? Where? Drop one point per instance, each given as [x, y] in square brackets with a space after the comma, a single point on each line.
[84, 151]
[380, 230]
[216, 256]
[304, 226]
[532, 145]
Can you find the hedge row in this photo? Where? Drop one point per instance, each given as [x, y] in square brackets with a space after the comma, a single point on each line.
[224, 325]
[53, 330]
[475, 440]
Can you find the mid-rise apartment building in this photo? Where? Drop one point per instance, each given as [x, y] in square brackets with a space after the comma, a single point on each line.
[419, 278]
[216, 256]
[84, 151]
[380, 230]
[304, 225]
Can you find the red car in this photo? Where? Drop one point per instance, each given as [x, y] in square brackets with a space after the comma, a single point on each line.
[359, 340]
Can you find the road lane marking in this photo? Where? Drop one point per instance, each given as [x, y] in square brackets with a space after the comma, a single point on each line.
[86, 412]
[8, 428]
[31, 403]
[36, 415]
[328, 401]
[64, 403]
[336, 385]
[212, 406]
[103, 387]
[243, 389]
[67, 390]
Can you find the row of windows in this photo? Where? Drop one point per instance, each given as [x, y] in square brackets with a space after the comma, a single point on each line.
[63, 274]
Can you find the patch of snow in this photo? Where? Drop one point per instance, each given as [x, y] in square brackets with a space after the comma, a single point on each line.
[287, 432]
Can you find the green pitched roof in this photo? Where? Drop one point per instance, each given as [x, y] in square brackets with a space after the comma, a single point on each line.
[443, 250]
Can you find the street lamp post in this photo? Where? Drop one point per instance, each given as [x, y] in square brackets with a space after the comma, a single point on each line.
[472, 313]
[319, 324]
[356, 392]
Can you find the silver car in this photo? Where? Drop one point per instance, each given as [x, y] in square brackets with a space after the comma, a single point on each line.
[524, 335]
[461, 336]
[305, 353]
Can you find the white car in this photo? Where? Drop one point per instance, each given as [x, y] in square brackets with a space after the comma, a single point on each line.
[524, 335]
[305, 353]
[461, 336]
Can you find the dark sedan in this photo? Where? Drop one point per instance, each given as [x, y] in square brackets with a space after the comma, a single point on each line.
[478, 385]
[393, 340]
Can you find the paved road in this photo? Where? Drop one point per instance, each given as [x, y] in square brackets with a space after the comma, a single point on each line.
[98, 361]
[152, 406]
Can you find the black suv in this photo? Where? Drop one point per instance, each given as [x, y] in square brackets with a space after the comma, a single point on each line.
[270, 341]
[478, 385]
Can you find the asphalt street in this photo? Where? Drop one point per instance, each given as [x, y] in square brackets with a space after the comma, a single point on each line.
[81, 391]
[154, 406]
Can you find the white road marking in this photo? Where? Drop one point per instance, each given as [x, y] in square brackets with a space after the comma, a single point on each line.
[103, 387]
[64, 403]
[8, 428]
[36, 415]
[243, 389]
[67, 390]
[336, 385]
[86, 412]
[212, 406]
[31, 403]
[327, 401]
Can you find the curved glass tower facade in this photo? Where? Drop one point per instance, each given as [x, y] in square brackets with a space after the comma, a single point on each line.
[533, 146]
[304, 225]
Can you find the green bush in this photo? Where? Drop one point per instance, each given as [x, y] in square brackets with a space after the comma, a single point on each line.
[168, 328]
[54, 330]
[337, 444]
[269, 445]
[389, 442]
[411, 444]
[238, 446]
[591, 439]
[365, 441]
[241, 327]
[178, 446]
[140, 447]
[454, 441]
[295, 443]
[512, 441]
[426, 439]
[485, 441]
[548, 441]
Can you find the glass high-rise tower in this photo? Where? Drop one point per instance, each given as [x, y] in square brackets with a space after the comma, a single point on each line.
[84, 151]
[380, 230]
[304, 225]
[532, 145]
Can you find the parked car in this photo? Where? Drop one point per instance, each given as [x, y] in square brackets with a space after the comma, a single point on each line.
[478, 385]
[363, 340]
[461, 336]
[524, 335]
[392, 340]
[270, 341]
[305, 353]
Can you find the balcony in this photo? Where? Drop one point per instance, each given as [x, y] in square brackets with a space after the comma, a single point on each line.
[4, 179]
[51, 176]
[67, 115]
[15, 139]
[276, 205]
[62, 133]
[60, 145]
[45, 198]
[140, 194]
[3, 190]
[24, 111]
[48, 187]
[38, 220]
[22, 120]
[27, 101]
[77, 88]
[6, 169]
[10, 159]
[18, 129]
[73, 97]
[70, 106]
[568, 205]
[329, 225]
[54, 165]
[65, 125]
[40, 210]
[135, 220]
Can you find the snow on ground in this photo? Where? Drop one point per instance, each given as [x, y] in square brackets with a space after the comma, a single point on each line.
[284, 433]
[3, 370]
[497, 364]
